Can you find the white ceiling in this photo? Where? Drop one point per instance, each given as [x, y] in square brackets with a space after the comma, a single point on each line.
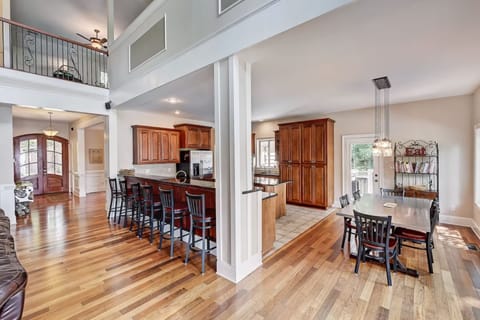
[67, 17]
[42, 114]
[428, 49]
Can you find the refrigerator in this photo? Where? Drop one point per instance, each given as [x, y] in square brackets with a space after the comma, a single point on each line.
[196, 163]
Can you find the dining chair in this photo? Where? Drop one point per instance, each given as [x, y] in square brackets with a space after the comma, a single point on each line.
[171, 213]
[137, 206]
[126, 203]
[348, 225]
[356, 195]
[375, 241]
[200, 219]
[392, 192]
[420, 240]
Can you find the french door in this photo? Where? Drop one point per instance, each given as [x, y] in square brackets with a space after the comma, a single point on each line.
[361, 170]
[43, 161]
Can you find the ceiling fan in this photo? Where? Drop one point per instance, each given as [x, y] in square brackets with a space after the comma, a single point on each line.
[95, 42]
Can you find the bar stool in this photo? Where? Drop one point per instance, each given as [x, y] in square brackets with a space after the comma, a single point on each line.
[115, 194]
[201, 219]
[137, 206]
[126, 203]
[170, 214]
[151, 210]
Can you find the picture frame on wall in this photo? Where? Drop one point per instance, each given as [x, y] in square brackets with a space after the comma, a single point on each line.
[95, 156]
[225, 5]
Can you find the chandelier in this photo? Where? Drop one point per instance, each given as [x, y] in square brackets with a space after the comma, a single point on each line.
[50, 131]
[382, 144]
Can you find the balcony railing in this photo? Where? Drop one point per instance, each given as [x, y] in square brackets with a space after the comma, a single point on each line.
[27, 49]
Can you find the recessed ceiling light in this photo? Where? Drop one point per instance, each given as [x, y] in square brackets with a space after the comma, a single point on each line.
[177, 111]
[172, 100]
[53, 109]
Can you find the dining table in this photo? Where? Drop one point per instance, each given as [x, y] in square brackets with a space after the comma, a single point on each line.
[410, 213]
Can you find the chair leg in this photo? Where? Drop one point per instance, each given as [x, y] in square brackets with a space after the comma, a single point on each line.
[359, 255]
[110, 208]
[190, 241]
[429, 258]
[121, 209]
[203, 249]
[140, 234]
[344, 234]
[399, 246]
[172, 233]
[133, 217]
[162, 231]
[151, 226]
[387, 266]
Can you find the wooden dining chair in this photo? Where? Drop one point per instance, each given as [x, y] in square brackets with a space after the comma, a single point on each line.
[375, 241]
[420, 240]
[356, 195]
[348, 225]
[392, 192]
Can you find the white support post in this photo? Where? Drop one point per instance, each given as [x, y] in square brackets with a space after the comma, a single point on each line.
[239, 213]
[110, 21]
[7, 184]
[111, 152]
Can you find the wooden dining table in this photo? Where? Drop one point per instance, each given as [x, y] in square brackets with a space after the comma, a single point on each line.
[411, 213]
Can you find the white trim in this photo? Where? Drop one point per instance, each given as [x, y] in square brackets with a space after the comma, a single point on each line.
[156, 54]
[458, 221]
[475, 228]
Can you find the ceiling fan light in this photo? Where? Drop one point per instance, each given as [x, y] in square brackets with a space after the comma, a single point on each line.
[96, 44]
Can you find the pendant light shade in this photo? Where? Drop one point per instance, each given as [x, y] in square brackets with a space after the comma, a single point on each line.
[382, 144]
[50, 131]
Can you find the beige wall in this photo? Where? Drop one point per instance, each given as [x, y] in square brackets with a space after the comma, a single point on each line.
[476, 119]
[94, 139]
[26, 126]
[447, 121]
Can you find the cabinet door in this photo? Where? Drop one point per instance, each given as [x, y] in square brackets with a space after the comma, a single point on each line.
[296, 177]
[284, 176]
[319, 138]
[319, 177]
[308, 184]
[192, 138]
[296, 143]
[307, 143]
[165, 140]
[174, 146]
[204, 138]
[143, 145]
[155, 146]
[285, 143]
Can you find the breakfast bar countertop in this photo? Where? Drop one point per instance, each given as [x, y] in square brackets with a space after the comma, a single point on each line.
[263, 181]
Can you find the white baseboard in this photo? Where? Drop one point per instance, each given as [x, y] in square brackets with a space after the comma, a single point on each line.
[463, 222]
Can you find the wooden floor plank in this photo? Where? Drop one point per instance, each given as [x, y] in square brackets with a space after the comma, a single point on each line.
[82, 266]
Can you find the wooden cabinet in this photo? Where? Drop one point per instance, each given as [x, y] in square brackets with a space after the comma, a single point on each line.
[155, 145]
[195, 136]
[306, 158]
[277, 145]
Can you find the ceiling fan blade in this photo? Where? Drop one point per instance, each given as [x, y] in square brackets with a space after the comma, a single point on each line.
[82, 36]
[104, 40]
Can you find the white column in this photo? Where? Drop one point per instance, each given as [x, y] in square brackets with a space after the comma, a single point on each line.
[82, 185]
[111, 155]
[239, 237]
[7, 184]
[110, 21]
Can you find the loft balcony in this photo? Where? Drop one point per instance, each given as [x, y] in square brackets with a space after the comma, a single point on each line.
[28, 49]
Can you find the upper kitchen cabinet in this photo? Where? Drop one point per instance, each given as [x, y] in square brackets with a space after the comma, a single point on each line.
[155, 145]
[290, 143]
[194, 136]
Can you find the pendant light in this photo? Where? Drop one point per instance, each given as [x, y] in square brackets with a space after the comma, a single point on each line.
[50, 131]
[382, 144]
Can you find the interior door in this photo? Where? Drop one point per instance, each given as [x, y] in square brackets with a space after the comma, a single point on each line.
[43, 161]
[360, 168]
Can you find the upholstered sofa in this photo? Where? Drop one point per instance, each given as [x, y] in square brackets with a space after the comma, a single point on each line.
[13, 277]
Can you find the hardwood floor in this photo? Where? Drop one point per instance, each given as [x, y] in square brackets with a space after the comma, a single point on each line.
[80, 266]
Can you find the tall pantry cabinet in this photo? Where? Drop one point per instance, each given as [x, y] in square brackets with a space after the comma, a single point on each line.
[306, 159]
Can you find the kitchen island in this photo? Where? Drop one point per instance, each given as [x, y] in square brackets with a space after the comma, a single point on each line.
[275, 185]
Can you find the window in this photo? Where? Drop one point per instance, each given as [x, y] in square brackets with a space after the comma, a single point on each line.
[266, 153]
[54, 157]
[28, 158]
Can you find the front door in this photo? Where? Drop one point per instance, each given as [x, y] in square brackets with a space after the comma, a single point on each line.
[43, 161]
[361, 170]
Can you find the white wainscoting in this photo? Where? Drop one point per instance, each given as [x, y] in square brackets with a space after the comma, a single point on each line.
[95, 181]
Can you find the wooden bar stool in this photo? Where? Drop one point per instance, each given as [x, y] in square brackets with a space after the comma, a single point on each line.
[126, 203]
[170, 214]
[150, 210]
[115, 195]
[200, 219]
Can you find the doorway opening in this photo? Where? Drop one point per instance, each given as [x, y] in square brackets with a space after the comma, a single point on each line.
[361, 170]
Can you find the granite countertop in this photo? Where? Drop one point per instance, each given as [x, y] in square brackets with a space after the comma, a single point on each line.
[268, 195]
[268, 181]
[179, 182]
